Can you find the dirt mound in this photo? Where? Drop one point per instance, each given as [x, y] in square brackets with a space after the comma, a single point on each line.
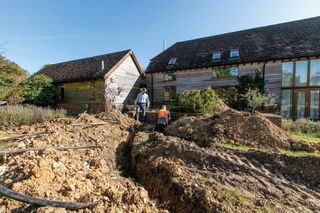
[187, 178]
[83, 175]
[116, 117]
[234, 127]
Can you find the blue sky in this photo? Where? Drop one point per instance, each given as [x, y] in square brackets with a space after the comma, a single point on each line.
[39, 32]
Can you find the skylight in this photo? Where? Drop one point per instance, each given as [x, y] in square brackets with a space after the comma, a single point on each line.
[234, 53]
[216, 55]
[172, 61]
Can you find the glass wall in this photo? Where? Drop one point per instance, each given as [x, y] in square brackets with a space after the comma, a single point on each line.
[301, 103]
[315, 72]
[314, 104]
[301, 73]
[287, 73]
[286, 105]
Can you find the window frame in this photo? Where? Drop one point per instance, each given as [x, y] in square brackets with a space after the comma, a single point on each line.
[229, 76]
[172, 73]
[216, 53]
[233, 51]
[164, 93]
[172, 61]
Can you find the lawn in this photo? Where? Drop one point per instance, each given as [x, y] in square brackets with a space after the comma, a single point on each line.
[308, 137]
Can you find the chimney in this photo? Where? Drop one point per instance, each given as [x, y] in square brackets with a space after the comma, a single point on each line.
[102, 64]
[164, 45]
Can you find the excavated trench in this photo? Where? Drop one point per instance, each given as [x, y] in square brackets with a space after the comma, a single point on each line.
[184, 177]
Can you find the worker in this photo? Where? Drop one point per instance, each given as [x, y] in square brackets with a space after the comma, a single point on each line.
[163, 119]
[142, 103]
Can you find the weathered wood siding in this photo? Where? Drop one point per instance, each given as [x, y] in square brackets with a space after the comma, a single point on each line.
[126, 76]
[83, 92]
[202, 78]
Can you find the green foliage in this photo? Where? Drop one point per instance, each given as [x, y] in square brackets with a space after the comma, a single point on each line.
[255, 98]
[229, 95]
[202, 101]
[39, 90]
[302, 125]
[10, 76]
[250, 81]
[14, 115]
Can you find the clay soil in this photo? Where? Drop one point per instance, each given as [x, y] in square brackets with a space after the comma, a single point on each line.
[188, 178]
[234, 127]
[74, 175]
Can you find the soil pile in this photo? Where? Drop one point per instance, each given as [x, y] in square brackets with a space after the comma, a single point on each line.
[83, 175]
[234, 127]
[187, 178]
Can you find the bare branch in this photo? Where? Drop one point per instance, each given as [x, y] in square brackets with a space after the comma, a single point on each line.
[6, 192]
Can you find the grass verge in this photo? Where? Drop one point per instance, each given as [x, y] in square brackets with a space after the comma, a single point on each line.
[308, 137]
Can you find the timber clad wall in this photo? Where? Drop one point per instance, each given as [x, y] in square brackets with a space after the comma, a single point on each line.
[126, 76]
[202, 78]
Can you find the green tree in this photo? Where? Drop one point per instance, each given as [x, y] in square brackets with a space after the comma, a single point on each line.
[11, 75]
[39, 90]
[255, 98]
[203, 101]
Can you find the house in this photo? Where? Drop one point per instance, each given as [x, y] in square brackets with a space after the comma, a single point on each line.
[286, 54]
[98, 81]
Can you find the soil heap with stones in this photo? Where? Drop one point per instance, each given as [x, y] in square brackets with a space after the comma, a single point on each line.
[72, 175]
[234, 127]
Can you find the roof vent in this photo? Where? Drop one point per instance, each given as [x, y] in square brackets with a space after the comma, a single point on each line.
[172, 61]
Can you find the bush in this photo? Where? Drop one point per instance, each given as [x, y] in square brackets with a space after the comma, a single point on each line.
[39, 90]
[302, 125]
[14, 115]
[255, 98]
[202, 101]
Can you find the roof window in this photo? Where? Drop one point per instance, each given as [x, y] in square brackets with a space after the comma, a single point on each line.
[234, 53]
[216, 55]
[172, 61]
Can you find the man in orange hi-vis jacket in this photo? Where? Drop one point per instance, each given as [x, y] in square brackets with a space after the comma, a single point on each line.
[163, 118]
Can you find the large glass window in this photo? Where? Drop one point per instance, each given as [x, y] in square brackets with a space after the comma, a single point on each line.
[315, 72]
[301, 73]
[287, 73]
[286, 103]
[225, 72]
[314, 104]
[301, 103]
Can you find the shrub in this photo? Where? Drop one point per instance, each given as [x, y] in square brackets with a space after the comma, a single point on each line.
[39, 90]
[202, 101]
[14, 115]
[228, 95]
[255, 99]
[302, 125]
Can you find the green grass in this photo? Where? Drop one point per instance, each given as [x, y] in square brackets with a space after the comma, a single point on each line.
[282, 151]
[300, 153]
[308, 137]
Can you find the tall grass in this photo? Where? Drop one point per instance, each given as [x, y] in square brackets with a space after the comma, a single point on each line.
[15, 115]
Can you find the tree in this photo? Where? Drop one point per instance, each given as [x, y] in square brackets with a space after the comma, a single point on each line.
[39, 90]
[255, 98]
[203, 101]
[11, 75]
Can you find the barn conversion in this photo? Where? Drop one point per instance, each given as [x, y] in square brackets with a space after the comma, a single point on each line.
[99, 81]
[286, 54]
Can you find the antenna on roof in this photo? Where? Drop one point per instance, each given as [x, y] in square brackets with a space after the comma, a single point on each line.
[164, 44]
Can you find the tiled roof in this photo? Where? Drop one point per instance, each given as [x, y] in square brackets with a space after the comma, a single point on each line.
[281, 41]
[83, 69]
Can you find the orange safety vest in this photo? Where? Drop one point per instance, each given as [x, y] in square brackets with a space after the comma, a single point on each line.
[163, 113]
